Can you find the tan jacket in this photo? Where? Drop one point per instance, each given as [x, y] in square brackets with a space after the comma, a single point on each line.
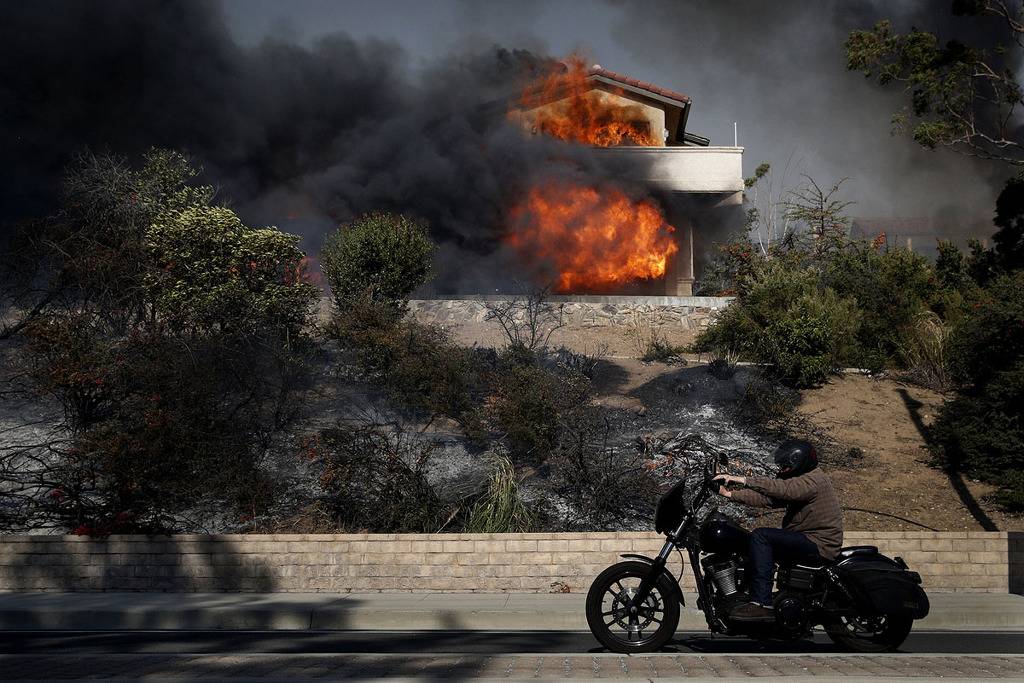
[812, 507]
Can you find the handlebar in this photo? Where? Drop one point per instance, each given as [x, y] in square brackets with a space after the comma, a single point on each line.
[713, 459]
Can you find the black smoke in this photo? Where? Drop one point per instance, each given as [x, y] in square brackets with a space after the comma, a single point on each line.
[302, 137]
[779, 69]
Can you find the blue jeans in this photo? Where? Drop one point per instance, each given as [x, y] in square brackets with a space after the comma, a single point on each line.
[769, 547]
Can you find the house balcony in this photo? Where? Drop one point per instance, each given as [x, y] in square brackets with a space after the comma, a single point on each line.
[705, 170]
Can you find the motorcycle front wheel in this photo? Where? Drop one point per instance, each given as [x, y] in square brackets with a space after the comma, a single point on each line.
[609, 616]
[869, 634]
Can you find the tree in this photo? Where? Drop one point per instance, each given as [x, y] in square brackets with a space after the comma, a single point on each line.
[380, 255]
[818, 209]
[1009, 239]
[172, 337]
[98, 238]
[212, 272]
[961, 97]
[766, 221]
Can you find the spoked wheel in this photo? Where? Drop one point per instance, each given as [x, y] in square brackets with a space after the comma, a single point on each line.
[615, 625]
[869, 634]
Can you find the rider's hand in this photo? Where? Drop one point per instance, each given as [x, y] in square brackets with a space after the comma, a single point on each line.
[722, 491]
[726, 479]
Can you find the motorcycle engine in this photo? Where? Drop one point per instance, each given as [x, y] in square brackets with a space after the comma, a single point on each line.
[723, 571]
[791, 614]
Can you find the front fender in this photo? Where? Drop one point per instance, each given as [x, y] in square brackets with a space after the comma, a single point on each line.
[665, 571]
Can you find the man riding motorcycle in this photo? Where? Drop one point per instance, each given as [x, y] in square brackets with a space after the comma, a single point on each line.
[812, 526]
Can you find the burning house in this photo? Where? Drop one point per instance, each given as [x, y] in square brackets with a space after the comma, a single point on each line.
[603, 239]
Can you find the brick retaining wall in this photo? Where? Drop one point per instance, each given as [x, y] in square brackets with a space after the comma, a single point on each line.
[986, 562]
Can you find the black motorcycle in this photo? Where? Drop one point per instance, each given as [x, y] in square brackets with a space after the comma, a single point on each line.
[865, 601]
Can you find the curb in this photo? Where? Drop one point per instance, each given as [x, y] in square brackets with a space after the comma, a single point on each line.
[391, 612]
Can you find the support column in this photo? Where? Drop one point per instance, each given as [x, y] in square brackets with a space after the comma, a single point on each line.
[679, 275]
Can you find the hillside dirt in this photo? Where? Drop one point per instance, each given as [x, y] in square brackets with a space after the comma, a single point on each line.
[885, 418]
[889, 487]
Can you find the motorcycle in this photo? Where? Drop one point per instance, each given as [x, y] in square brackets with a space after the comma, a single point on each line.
[865, 601]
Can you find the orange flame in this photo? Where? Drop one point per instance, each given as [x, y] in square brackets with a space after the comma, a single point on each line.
[566, 106]
[595, 239]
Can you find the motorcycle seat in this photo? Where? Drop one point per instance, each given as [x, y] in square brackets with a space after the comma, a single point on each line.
[810, 562]
[853, 550]
[816, 561]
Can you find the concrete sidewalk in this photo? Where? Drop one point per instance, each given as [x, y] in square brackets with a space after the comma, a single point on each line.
[395, 611]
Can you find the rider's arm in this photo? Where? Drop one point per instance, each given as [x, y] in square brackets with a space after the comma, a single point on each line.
[797, 488]
[753, 498]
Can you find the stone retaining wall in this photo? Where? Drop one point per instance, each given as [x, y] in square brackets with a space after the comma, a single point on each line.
[689, 313]
[948, 562]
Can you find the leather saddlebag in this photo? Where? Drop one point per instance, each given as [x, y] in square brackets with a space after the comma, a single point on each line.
[880, 586]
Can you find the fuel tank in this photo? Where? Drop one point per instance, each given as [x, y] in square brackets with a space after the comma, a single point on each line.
[719, 534]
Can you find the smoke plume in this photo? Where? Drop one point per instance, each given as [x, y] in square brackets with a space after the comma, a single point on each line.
[304, 137]
[308, 134]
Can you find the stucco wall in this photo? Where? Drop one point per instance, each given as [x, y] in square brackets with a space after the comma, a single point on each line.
[639, 110]
[536, 563]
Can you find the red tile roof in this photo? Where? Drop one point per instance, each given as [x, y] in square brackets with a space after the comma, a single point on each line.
[598, 70]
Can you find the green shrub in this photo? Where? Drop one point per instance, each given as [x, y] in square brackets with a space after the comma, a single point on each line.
[981, 431]
[891, 288]
[1011, 494]
[786, 322]
[951, 266]
[212, 272]
[382, 255]
[501, 509]
[812, 339]
[990, 338]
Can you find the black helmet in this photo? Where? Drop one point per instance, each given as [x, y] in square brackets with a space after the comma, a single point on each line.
[795, 457]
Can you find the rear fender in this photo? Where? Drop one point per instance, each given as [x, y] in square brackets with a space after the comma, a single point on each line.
[650, 560]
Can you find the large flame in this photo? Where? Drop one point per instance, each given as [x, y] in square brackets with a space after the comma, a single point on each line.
[565, 105]
[596, 240]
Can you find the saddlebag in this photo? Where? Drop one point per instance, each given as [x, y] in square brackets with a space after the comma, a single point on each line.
[882, 587]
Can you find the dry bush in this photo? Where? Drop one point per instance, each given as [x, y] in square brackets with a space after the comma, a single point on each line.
[650, 342]
[374, 478]
[922, 351]
[606, 487]
[529, 403]
[584, 363]
[419, 365]
[528, 320]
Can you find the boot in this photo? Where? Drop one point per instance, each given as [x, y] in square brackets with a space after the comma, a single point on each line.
[752, 611]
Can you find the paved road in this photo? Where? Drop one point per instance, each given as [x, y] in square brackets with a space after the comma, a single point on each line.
[316, 656]
[449, 642]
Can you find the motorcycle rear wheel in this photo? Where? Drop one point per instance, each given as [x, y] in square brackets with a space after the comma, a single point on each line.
[608, 614]
[880, 634]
